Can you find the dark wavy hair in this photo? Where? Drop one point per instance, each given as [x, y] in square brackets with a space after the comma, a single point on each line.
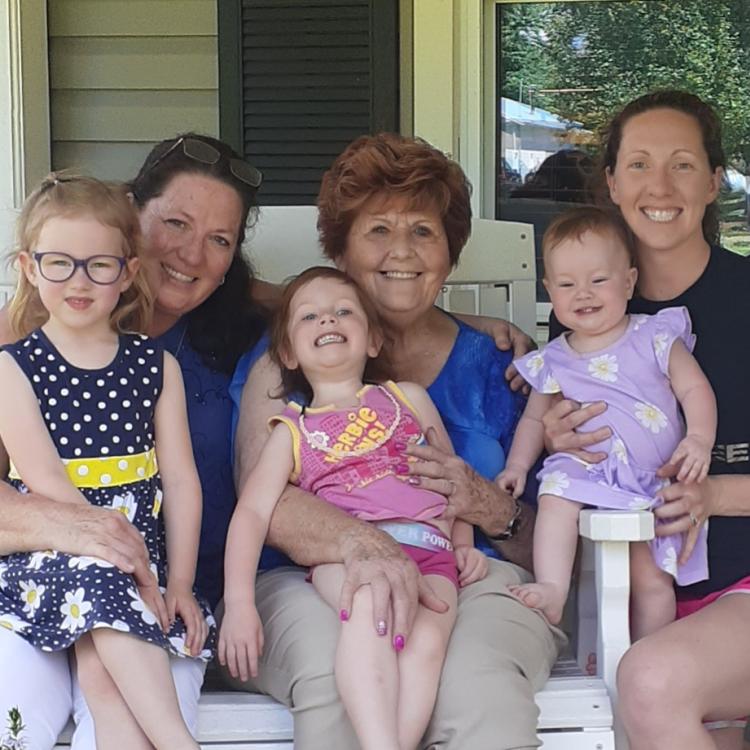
[294, 382]
[392, 166]
[228, 322]
[681, 101]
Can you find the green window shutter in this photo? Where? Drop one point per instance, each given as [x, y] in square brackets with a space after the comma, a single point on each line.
[300, 79]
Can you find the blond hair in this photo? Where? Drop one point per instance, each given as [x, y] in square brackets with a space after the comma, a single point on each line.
[70, 195]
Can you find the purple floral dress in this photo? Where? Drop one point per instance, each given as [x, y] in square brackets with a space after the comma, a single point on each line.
[631, 376]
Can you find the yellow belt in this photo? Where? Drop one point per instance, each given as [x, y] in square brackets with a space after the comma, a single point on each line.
[107, 471]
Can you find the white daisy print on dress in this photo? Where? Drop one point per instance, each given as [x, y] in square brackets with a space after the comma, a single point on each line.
[534, 364]
[123, 627]
[85, 561]
[140, 606]
[669, 563]
[639, 503]
[660, 343]
[550, 385]
[12, 622]
[125, 504]
[621, 453]
[638, 321]
[604, 367]
[3, 571]
[179, 645]
[156, 507]
[31, 596]
[37, 559]
[651, 417]
[75, 608]
[554, 483]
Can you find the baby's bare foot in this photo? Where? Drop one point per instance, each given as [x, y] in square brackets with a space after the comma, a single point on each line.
[543, 596]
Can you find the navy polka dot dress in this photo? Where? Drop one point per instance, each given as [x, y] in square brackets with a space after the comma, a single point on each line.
[102, 422]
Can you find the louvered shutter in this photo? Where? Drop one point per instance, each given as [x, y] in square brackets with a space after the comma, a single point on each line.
[300, 79]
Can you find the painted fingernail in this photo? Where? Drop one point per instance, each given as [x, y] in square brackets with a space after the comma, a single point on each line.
[343, 615]
[402, 468]
[382, 628]
[399, 643]
[399, 446]
[414, 480]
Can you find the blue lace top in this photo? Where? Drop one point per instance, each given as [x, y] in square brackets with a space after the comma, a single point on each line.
[479, 410]
[209, 411]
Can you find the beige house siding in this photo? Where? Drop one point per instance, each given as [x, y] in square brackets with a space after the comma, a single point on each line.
[126, 73]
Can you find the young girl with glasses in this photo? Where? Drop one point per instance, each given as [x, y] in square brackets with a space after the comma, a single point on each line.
[83, 400]
[347, 446]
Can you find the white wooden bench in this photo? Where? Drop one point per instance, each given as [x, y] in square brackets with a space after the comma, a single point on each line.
[495, 277]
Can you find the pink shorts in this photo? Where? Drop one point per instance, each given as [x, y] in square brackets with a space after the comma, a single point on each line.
[441, 563]
[687, 607]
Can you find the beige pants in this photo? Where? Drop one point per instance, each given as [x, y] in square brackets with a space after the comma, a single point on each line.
[499, 655]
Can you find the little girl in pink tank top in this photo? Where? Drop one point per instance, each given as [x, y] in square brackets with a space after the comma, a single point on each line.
[347, 446]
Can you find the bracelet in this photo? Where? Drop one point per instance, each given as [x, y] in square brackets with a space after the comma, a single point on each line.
[511, 528]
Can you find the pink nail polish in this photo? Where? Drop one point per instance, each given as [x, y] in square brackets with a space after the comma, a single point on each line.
[343, 615]
[399, 643]
[399, 446]
[402, 468]
[413, 480]
[382, 628]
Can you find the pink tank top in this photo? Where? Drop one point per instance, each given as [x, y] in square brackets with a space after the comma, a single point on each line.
[349, 458]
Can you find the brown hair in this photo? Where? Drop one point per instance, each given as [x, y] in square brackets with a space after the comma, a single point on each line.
[393, 167]
[681, 101]
[70, 195]
[294, 381]
[229, 322]
[573, 224]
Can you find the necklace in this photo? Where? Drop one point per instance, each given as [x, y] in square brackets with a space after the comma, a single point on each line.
[318, 440]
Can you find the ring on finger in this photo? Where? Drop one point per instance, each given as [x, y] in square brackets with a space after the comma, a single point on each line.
[693, 518]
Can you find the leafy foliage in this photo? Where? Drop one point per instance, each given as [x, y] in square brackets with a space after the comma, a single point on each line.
[614, 51]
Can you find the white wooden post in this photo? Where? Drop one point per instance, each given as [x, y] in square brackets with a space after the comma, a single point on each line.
[612, 532]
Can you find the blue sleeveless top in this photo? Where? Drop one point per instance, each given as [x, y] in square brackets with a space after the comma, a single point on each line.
[478, 408]
[209, 411]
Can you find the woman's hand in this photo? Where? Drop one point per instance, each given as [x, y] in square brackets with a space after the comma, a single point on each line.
[561, 434]
[240, 640]
[372, 557]
[685, 510]
[180, 601]
[470, 497]
[472, 565]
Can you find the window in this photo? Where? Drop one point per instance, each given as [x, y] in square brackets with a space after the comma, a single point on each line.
[564, 67]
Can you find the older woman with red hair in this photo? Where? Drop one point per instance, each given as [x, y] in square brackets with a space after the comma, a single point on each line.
[395, 214]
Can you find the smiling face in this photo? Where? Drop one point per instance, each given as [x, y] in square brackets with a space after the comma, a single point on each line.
[662, 180]
[399, 256]
[190, 235]
[328, 330]
[78, 303]
[590, 280]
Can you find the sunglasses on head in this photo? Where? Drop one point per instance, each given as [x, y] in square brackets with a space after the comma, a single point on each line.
[205, 153]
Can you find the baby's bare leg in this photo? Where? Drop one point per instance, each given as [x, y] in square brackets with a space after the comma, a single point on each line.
[652, 597]
[114, 725]
[366, 667]
[555, 543]
[421, 662]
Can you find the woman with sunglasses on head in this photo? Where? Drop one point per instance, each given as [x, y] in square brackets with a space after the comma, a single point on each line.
[194, 197]
[686, 685]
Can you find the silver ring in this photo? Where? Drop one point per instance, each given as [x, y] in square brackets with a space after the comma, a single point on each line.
[693, 518]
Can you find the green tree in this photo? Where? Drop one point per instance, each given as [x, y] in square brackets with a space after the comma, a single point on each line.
[614, 51]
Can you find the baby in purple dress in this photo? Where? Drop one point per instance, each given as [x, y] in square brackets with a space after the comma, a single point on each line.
[641, 366]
